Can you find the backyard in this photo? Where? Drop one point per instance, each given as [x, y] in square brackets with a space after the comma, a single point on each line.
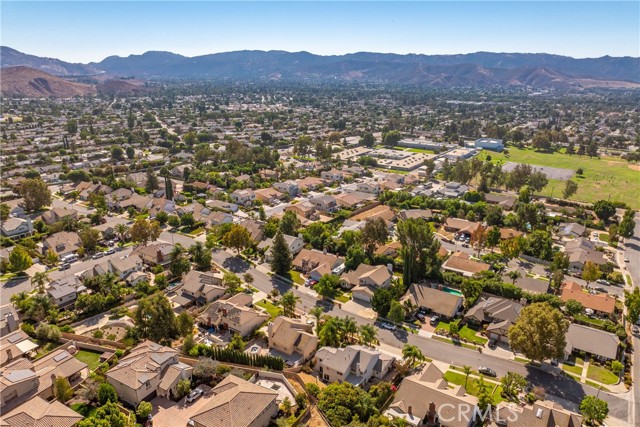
[272, 309]
[92, 359]
[604, 178]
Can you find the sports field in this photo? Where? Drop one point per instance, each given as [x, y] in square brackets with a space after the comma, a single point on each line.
[608, 178]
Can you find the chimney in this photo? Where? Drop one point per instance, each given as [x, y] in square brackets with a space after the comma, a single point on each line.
[431, 414]
[11, 322]
[410, 410]
[9, 355]
[159, 255]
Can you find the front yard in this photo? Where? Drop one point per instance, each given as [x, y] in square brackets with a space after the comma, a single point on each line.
[602, 375]
[270, 307]
[296, 277]
[465, 333]
[472, 385]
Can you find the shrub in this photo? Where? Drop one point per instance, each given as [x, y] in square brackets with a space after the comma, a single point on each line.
[106, 393]
[312, 389]
[28, 329]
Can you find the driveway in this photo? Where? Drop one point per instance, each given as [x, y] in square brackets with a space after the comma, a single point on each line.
[167, 413]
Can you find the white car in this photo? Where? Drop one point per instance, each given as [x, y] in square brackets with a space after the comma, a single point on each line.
[388, 326]
[194, 395]
[626, 259]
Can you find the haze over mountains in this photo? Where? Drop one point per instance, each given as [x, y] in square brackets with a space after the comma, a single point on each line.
[482, 69]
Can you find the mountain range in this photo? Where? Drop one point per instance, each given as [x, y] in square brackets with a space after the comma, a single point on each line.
[481, 69]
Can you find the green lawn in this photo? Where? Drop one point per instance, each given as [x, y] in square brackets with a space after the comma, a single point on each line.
[595, 322]
[83, 409]
[466, 333]
[296, 277]
[458, 343]
[601, 375]
[92, 359]
[595, 385]
[603, 178]
[343, 296]
[472, 385]
[572, 368]
[271, 308]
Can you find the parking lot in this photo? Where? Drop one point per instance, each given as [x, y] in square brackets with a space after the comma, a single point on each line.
[551, 173]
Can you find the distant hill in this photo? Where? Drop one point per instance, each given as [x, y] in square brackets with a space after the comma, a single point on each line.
[481, 69]
[119, 87]
[30, 83]
[12, 58]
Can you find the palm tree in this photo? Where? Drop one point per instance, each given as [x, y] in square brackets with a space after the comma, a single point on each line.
[330, 333]
[39, 280]
[367, 334]
[350, 327]
[122, 231]
[411, 354]
[514, 275]
[467, 370]
[288, 302]
[317, 312]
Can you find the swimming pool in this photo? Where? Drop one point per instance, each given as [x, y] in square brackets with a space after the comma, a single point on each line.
[452, 291]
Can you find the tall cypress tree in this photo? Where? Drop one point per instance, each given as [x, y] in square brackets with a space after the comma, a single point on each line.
[281, 256]
[168, 188]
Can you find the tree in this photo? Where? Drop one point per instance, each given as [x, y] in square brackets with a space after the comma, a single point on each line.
[39, 280]
[144, 409]
[248, 278]
[419, 250]
[231, 281]
[343, 403]
[479, 238]
[185, 323]
[327, 285]
[590, 272]
[188, 343]
[122, 230]
[374, 233]
[286, 406]
[131, 152]
[90, 238]
[117, 153]
[471, 290]
[288, 302]
[179, 264]
[574, 307]
[604, 209]
[237, 238]
[5, 210]
[144, 231]
[152, 181]
[289, 223]
[514, 275]
[381, 301]
[557, 278]
[493, 237]
[560, 261]
[155, 319]
[632, 302]
[368, 140]
[570, 188]
[484, 396]
[613, 234]
[355, 257]
[280, 255]
[396, 312]
[594, 410]
[412, 354]
[35, 193]
[466, 369]
[201, 256]
[236, 343]
[106, 393]
[168, 188]
[62, 389]
[183, 388]
[367, 334]
[317, 312]
[512, 247]
[628, 224]
[20, 259]
[539, 332]
[391, 138]
[205, 368]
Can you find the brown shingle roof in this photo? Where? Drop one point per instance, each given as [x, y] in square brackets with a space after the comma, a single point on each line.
[598, 302]
[37, 412]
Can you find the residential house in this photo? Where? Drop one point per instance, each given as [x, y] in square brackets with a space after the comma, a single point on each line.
[542, 413]
[295, 245]
[288, 187]
[243, 197]
[528, 284]
[389, 249]
[15, 345]
[154, 254]
[175, 373]
[161, 204]
[238, 403]
[8, 319]
[138, 375]
[380, 211]
[331, 176]
[123, 267]
[424, 214]
[354, 364]
[219, 205]
[54, 215]
[22, 378]
[571, 229]
[64, 291]
[117, 196]
[38, 412]
[505, 201]
[580, 251]
[324, 203]
[292, 338]
[364, 281]
[439, 301]
[136, 201]
[497, 313]
[62, 243]
[461, 226]
[268, 195]
[310, 183]
[461, 262]
[352, 200]
[601, 303]
[200, 287]
[16, 228]
[255, 229]
[453, 190]
[509, 233]
[427, 399]
[316, 264]
[369, 187]
[234, 315]
[600, 344]
[304, 210]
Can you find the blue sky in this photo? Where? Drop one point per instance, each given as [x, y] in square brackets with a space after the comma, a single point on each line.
[83, 31]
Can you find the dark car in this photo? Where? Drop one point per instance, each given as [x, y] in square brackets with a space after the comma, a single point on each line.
[487, 371]
[64, 266]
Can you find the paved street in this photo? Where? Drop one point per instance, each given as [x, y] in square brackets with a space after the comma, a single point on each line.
[632, 251]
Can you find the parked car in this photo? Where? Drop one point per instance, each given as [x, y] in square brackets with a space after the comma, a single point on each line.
[97, 255]
[420, 317]
[388, 326]
[110, 251]
[635, 329]
[602, 282]
[65, 266]
[255, 349]
[194, 395]
[600, 289]
[434, 320]
[487, 371]
[626, 259]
